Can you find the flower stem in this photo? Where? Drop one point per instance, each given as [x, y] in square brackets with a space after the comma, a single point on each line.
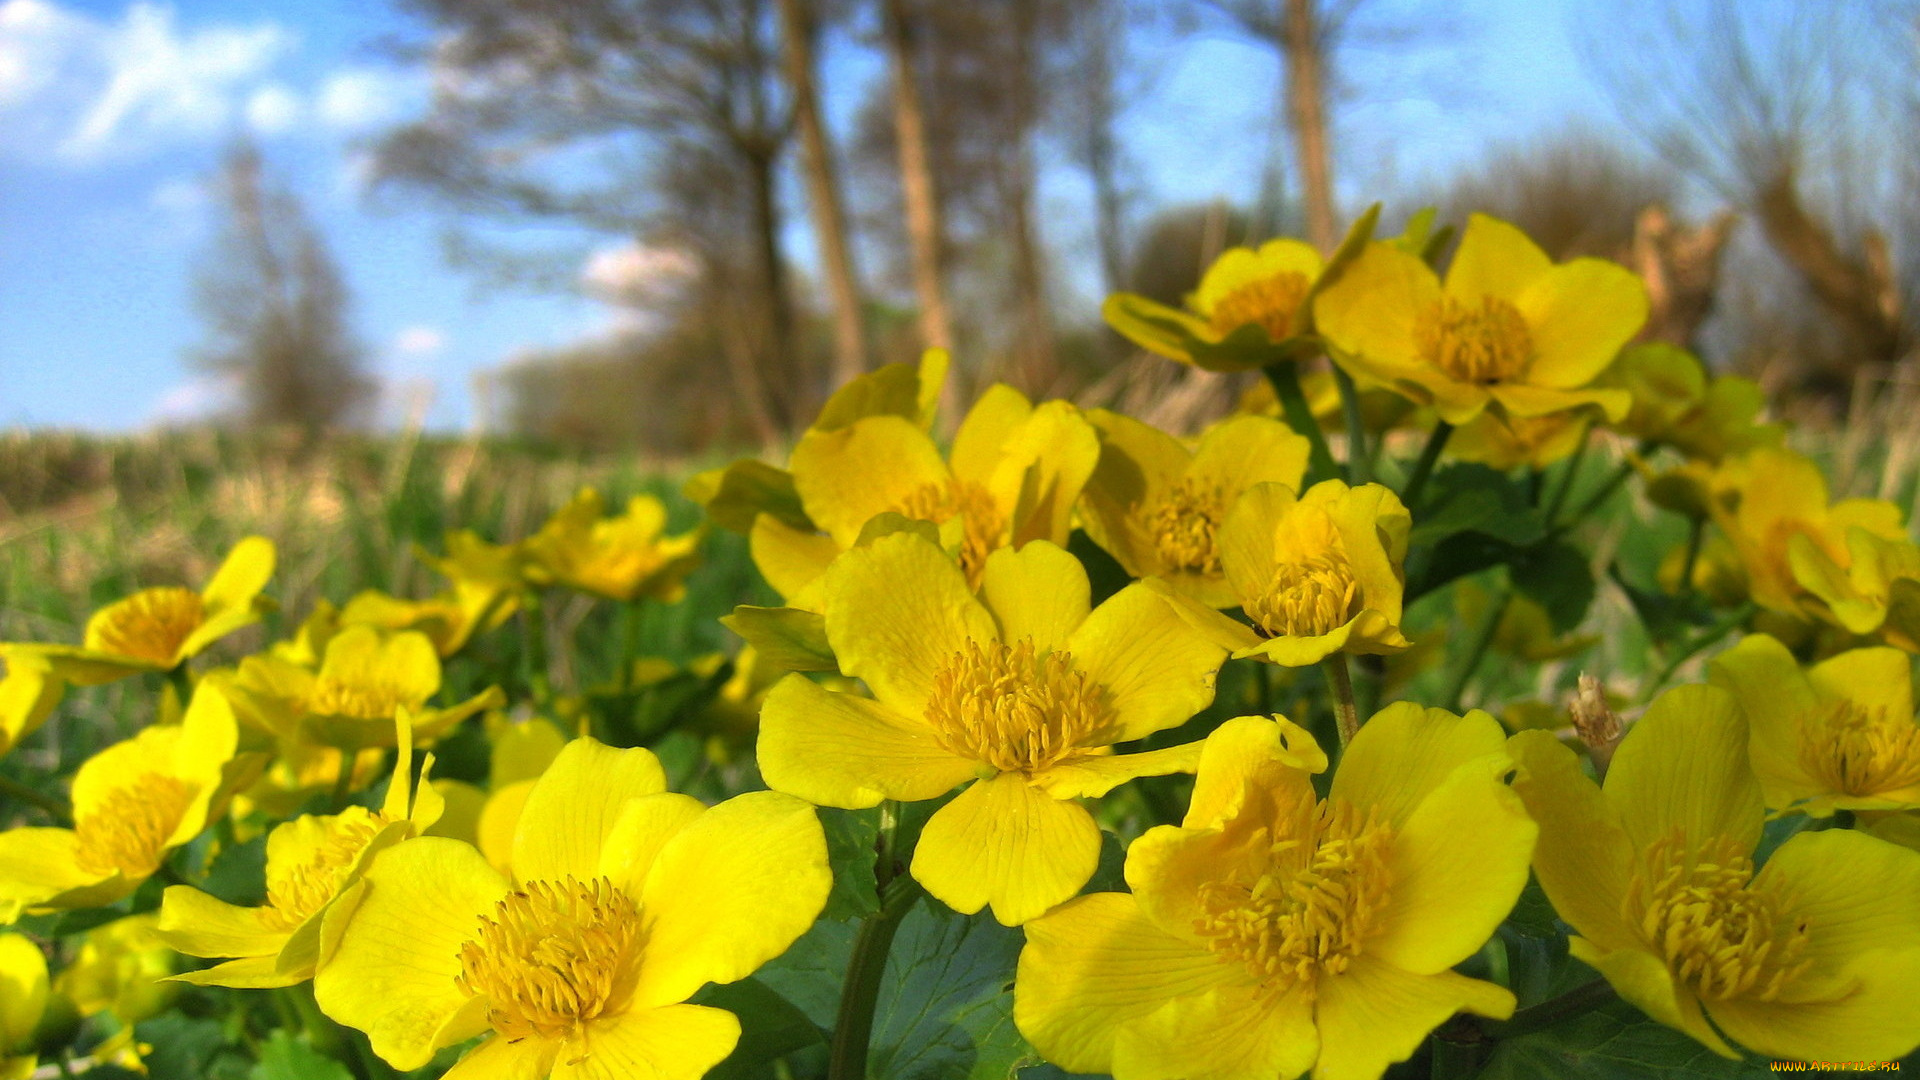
[853, 1027]
[1580, 1000]
[1569, 474]
[1423, 468]
[1357, 457]
[630, 615]
[59, 811]
[1695, 533]
[1711, 635]
[182, 682]
[1595, 500]
[1285, 377]
[533, 629]
[1495, 612]
[1343, 708]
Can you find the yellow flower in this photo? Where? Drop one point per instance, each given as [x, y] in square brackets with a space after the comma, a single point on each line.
[28, 695]
[1508, 327]
[1814, 956]
[159, 629]
[1271, 931]
[1319, 573]
[622, 900]
[1025, 690]
[23, 999]
[621, 558]
[1251, 309]
[1838, 736]
[1676, 404]
[133, 803]
[1876, 592]
[364, 680]
[1767, 500]
[488, 580]
[310, 862]
[121, 970]
[1508, 442]
[1157, 506]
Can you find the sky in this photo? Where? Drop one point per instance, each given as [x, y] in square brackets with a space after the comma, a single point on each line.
[114, 115]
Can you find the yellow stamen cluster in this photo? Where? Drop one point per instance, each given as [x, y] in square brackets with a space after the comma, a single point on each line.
[151, 624]
[1185, 524]
[1015, 711]
[1860, 751]
[1310, 908]
[1269, 303]
[982, 529]
[1479, 343]
[367, 693]
[1308, 598]
[1719, 934]
[295, 896]
[553, 956]
[130, 828]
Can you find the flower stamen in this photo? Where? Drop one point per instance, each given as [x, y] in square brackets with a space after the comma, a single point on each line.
[1482, 344]
[1718, 934]
[129, 830]
[553, 956]
[150, 625]
[1015, 711]
[1269, 303]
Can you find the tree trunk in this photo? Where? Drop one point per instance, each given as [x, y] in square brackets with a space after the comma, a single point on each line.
[1035, 346]
[1307, 112]
[924, 228]
[823, 193]
[780, 374]
[1861, 294]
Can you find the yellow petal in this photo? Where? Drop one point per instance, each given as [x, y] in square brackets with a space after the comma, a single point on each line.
[1583, 857]
[1043, 467]
[1374, 1014]
[500, 820]
[394, 975]
[1095, 964]
[788, 558]
[835, 749]
[679, 1042]
[1137, 463]
[1580, 314]
[575, 804]
[1093, 775]
[246, 973]
[40, 867]
[847, 476]
[1037, 592]
[28, 695]
[899, 610]
[980, 443]
[197, 924]
[1158, 670]
[1642, 979]
[645, 825]
[1495, 259]
[1525, 400]
[1246, 537]
[1006, 843]
[1227, 1033]
[1241, 451]
[1774, 696]
[504, 1059]
[1685, 765]
[1369, 312]
[1855, 893]
[1251, 752]
[1878, 678]
[729, 892]
[242, 575]
[1458, 865]
[462, 805]
[23, 990]
[1407, 751]
[1875, 1021]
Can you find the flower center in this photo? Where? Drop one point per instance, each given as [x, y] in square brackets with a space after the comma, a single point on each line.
[1720, 936]
[1480, 343]
[1009, 709]
[1184, 526]
[150, 625]
[1860, 750]
[1309, 598]
[295, 896]
[982, 530]
[1312, 905]
[130, 828]
[553, 956]
[1269, 303]
[367, 695]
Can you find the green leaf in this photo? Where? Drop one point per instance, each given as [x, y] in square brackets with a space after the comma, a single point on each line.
[851, 835]
[1469, 497]
[238, 874]
[946, 1003]
[184, 1048]
[1616, 1042]
[891, 390]
[787, 638]
[742, 491]
[771, 1027]
[1667, 618]
[285, 1057]
[1557, 577]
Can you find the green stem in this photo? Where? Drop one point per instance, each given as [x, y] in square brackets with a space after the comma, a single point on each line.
[853, 1027]
[182, 681]
[1595, 500]
[343, 783]
[1568, 475]
[1357, 458]
[56, 809]
[1695, 532]
[630, 616]
[1423, 468]
[1711, 635]
[1495, 612]
[533, 629]
[1344, 712]
[1576, 1002]
[1456, 1051]
[1285, 377]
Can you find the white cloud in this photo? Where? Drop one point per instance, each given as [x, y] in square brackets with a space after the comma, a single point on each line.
[195, 400]
[37, 40]
[635, 275]
[419, 341]
[357, 99]
[273, 110]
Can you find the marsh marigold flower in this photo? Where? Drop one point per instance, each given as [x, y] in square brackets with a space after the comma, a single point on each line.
[23, 999]
[1772, 502]
[1837, 736]
[488, 582]
[1251, 306]
[121, 971]
[28, 694]
[1157, 506]
[1273, 932]
[621, 558]
[1815, 955]
[1876, 592]
[1507, 327]
[1023, 691]
[133, 803]
[622, 899]
[311, 860]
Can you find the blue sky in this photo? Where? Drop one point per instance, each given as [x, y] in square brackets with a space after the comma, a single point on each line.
[113, 116]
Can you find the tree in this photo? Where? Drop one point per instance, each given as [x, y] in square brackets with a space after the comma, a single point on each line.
[276, 307]
[920, 197]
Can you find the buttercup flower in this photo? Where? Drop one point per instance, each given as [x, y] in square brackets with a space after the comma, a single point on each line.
[1766, 500]
[1251, 306]
[622, 558]
[311, 860]
[1317, 574]
[1508, 327]
[1508, 442]
[1837, 736]
[1815, 956]
[121, 971]
[159, 629]
[1876, 592]
[23, 998]
[28, 694]
[133, 803]
[1677, 403]
[622, 900]
[488, 580]
[1272, 932]
[1157, 507]
[1024, 690]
